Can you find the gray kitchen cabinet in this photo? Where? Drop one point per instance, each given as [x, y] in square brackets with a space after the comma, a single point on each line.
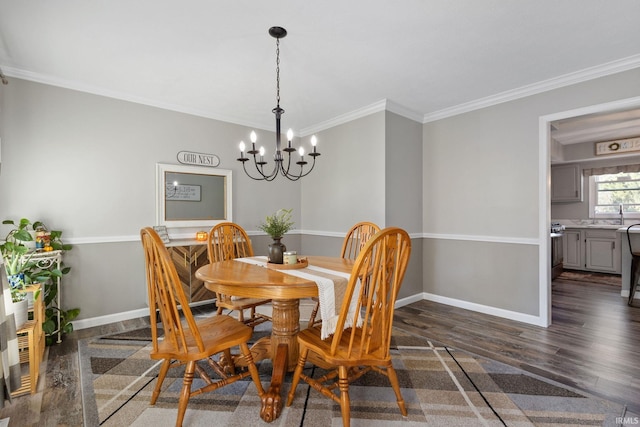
[602, 251]
[592, 250]
[566, 183]
[572, 249]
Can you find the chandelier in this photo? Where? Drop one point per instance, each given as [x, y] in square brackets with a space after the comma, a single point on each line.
[279, 158]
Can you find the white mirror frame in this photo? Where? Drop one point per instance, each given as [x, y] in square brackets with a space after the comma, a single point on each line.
[162, 169]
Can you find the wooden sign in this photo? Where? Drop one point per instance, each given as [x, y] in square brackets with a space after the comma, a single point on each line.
[620, 146]
[198, 159]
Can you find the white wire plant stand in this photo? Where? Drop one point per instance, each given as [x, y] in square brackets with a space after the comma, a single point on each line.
[44, 261]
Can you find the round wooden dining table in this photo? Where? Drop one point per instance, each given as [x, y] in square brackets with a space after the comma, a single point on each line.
[243, 279]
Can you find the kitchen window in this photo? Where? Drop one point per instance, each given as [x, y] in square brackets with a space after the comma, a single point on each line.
[608, 191]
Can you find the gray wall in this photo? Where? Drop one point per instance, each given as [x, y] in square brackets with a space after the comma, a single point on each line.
[403, 187]
[481, 198]
[480, 208]
[403, 173]
[85, 164]
[349, 183]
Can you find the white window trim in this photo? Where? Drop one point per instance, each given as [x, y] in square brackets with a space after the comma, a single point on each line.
[592, 206]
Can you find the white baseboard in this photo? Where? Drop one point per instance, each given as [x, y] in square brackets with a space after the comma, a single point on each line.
[625, 294]
[408, 300]
[110, 318]
[493, 311]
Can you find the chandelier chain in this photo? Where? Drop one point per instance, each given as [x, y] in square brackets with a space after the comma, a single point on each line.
[278, 72]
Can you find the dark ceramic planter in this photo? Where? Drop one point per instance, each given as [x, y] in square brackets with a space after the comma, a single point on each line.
[276, 250]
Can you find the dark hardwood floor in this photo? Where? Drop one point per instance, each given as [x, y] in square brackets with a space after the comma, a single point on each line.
[592, 345]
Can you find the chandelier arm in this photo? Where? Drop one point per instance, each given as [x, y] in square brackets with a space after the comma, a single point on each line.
[249, 175]
[262, 176]
[285, 172]
[309, 171]
[291, 177]
[271, 175]
[294, 177]
[260, 169]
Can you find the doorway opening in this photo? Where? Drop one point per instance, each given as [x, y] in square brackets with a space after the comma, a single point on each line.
[550, 150]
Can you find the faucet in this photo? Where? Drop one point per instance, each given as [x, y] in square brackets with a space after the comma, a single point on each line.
[621, 212]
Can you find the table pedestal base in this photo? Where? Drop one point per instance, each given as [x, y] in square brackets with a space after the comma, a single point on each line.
[272, 398]
[282, 348]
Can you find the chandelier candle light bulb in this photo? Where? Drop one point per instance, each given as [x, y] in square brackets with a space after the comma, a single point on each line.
[261, 162]
[289, 138]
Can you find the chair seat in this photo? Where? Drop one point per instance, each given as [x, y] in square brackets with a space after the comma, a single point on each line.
[235, 303]
[240, 304]
[218, 333]
[311, 338]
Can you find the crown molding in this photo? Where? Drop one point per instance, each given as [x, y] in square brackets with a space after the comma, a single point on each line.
[382, 105]
[587, 74]
[345, 118]
[591, 73]
[404, 111]
[95, 90]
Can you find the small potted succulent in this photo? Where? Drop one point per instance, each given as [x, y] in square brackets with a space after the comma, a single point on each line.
[276, 226]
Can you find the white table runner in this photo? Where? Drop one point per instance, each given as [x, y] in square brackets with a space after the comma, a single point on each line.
[332, 286]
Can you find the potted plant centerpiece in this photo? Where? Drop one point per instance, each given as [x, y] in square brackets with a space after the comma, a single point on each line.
[276, 226]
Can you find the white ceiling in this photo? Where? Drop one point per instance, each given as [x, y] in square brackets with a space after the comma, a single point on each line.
[610, 126]
[426, 58]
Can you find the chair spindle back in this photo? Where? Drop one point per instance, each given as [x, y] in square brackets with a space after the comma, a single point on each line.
[228, 240]
[166, 296]
[356, 238]
[381, 265]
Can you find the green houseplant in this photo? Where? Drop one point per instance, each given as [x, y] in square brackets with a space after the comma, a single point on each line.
[16, 261]
[16, 258]
[47, 274]
[276, 226]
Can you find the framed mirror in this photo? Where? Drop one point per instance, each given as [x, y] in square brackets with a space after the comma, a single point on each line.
[192, 196]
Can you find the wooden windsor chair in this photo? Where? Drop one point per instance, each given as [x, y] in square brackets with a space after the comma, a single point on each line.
[187, 341]
[228, 240]
[365, 346]
[635, 266]
[353, 242]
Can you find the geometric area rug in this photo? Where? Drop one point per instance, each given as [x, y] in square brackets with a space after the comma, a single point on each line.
[440, 385]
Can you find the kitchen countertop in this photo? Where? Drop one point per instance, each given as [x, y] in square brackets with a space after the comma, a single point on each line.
[586, 224]
[599, 226]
